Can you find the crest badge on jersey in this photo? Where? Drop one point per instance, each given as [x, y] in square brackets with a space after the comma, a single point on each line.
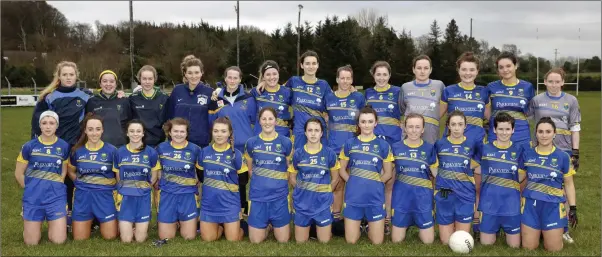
[554, 162]
[375, 148]
[220, 103]
[433, 92]
[201, 99]
[59, 151]
[323, 160]
[145, 158]
[103, 157]
[187, 156]
[466, 149]
[390, 95]
[278, 147]
[422, 155]
[521, 92]
[280, 98]
[477, 95]
[119, 107]
[352, 103]
[513, 156]
[78, 103]
[566, 106]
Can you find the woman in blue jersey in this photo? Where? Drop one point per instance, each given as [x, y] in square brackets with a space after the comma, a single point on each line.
[370, 165]
[455, 193]
[220, 204]
[549, 176]
[384, 98]
[499, 201]
[510, 95]
[179, 197]
[137, 167]
[415, 167]
[275, 96]
[343, 107]
[423, 96]
[41, 168]
[312, 179]
[90, 167]
[268, 157]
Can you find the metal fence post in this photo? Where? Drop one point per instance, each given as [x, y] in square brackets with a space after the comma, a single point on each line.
[35, 87]
[8, 84]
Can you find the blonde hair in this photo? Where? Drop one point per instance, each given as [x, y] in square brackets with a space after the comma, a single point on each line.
[147, 68]
[56, 81]
[189, 61]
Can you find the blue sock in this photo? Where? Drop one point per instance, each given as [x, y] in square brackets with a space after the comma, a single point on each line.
[566, 229]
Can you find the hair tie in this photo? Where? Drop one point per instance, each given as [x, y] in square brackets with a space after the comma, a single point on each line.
[107, 72]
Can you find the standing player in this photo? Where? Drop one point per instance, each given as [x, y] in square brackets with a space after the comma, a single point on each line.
[275, 96]
[549, 175]
[268, 157]
[179, 195]
[343, 107]
[564, 110]
[136, 166]
[423, 96]
[370, 165]
[499, 200]
[41, 169]
[473, 101]
[312, 179]
[510, 95]
[455, 192]
[384, 98]
[415, 166]
[220, 204]
[149, 106]
[90, 167]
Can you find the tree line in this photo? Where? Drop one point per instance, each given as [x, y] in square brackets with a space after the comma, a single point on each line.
[36, 36]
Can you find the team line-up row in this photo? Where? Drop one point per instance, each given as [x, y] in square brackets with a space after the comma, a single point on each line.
[338, 114]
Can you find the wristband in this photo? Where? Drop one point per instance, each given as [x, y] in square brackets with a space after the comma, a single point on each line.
[573, 207]
[575, 152]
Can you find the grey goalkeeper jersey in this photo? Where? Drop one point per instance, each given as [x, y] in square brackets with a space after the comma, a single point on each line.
[423, 99]
[564, 111]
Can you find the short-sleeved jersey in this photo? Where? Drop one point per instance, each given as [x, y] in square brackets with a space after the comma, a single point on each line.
[364, 186]
[455, 173]
[281, 100]
[413, 176]
[43, 175]
[314, 171]
[514, 100]
[94, 167]
[342, 115]
[178, 173]
[423, 99]
[385, 103]
[269, 172]
[135, 170]
[564, 111]
[546, 173]
[500, 188]
[220, 167]
[472, 103]
[307, 101]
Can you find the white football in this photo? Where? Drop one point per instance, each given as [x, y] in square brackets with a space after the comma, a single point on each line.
[461, 242]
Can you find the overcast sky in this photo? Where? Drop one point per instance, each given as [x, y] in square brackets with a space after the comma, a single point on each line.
[535, 27]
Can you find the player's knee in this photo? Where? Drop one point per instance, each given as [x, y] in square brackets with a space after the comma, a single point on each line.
[31, 240]
[553, 247]
[58, 239]
[208, 237]
[352, 240]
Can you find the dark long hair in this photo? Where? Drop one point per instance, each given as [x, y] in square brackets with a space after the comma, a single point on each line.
[136, 121]
[543, 120]
[83, 138]
[365, 110]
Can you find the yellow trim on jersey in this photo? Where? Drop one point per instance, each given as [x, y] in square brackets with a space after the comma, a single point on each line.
[366, 140]
[260, 99]
[337, 167]
[218, 149]
[180, 180]
[48, 143]
[382, 89]
[498, 160]
[342, 155]
[371, 175]
[431, 120]
[474, 164]
[266, 152]
[570, 173]
[563, 132]
[21, 160]
[270, 173]
[304, 91]
[336, 93]
[134, 164]
[454, 155]
[542, 167]
[405, 141]
[310, 152]
[474, 121]
[545, 153]
[545, 189]
[243, 168]
[465, 100]
[410, 159]
[219, 164]
[516, 115]
[363, 152]
[340, 108]
[453, 140]
[223, 185]
[97, 180]
[414, 181]
[135, 183]
[268, 139]
[101, 144]
[510, 85]
[267, 89]
[460, 176]
[47, 155]
[509, 96]
[40, 174]
[436, 164]
[495, 143]
[465, 87]
[180, 147]
[343, 127]
[389, 157]
[131, 150]
[95, 162]
[503, 182]
[442, 102]
[175, 160]
[380, 101]
[314, 187]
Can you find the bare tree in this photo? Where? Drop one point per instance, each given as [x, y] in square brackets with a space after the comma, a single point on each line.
[422, 44]
[369, 18]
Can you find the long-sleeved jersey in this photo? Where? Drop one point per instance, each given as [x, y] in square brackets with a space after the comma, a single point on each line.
[70, 105]
[152, 112]
[270, 157]
[500, 188]
[472, 102]
[135, 170]
[455, 159]
[115, 113]
[94, 167]
[564, 111]
[281, 100]
[342, 115]
[423, 99]
[364, 186]
[386, 104]
[242, 112]
[194, 106]
[545, 174]
[220, 185]
[178, 173]
[514, 100]
[314, 171]
[307, 102]
[413, 189]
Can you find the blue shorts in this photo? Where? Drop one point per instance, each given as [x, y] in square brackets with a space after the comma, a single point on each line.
[542, 215]
[177, 207]
[220, 219]
[300, 140]
[491, 224]
[322, 219]
[422, 220]
[371, 213]
[135, 209]
[452, 209]
[276, 212]
[49, 212]
[90, 204]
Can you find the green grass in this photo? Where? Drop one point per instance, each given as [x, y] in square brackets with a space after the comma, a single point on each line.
[15, 132]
